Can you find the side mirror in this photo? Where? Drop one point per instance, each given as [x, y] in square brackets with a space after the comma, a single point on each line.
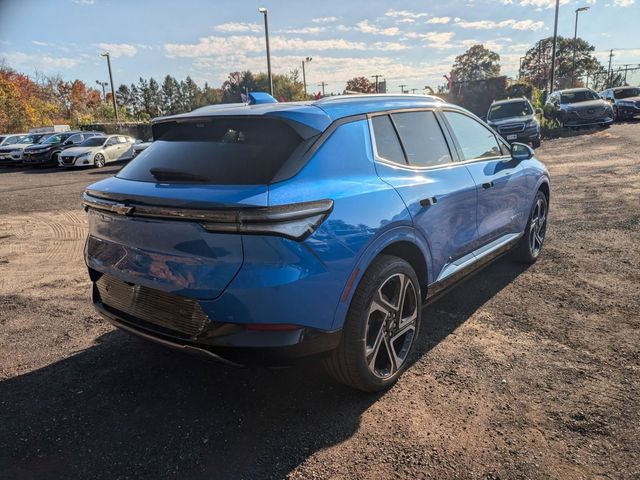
[520, 151]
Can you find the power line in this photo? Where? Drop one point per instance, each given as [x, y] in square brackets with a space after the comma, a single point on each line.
[322, 84]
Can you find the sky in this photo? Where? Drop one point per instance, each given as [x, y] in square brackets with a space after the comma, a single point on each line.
[406, 42]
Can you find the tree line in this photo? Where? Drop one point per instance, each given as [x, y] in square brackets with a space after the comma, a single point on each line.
[27, 102]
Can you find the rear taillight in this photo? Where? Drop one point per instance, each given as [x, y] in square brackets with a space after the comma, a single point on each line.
[295, 221]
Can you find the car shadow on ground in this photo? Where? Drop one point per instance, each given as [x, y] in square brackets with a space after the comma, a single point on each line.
[127, 408]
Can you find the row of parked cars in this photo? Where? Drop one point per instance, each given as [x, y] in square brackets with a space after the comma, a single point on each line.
[67, 149]
[515, 118]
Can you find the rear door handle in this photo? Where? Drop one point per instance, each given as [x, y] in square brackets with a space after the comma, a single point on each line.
[427, 202]
[487, 185]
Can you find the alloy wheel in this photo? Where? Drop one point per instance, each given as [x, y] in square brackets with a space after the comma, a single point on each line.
[391, 325]
[99, 160]
[538, 226]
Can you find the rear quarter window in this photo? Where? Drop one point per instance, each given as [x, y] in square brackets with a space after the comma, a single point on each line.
[222, 150]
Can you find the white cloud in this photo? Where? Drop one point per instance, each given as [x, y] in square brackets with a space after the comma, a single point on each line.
[404, 13]
[84, 2]
[118, 49]
[41, 44]
[238, 27]
[324, 19]
[212, 45]
[624, 3]
[389, 46]
[490, 24]
[438, 40]
[542, 3]
[365, 27]
[44, 63]
[439, 20]
[306, 30]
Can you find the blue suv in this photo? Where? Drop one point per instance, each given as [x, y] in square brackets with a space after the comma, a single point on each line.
[265, 232]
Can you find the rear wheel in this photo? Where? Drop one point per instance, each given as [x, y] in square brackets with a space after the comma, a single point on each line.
[381, 327]
[99, 160]
[530, 245]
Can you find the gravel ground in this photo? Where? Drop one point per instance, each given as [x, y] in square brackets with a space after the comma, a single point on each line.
[521, 373]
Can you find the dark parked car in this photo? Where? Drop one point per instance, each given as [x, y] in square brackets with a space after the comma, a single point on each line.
[578, 107]
[48, 152]
[268, 232]
[515, 120]
[624, 100]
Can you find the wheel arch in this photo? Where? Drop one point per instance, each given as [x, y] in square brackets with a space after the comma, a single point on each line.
[403, 242]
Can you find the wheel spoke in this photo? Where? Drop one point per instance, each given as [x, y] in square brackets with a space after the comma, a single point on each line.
[393, 358]
[372, 353]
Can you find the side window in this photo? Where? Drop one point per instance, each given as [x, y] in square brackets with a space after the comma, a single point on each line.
[422, 139]
[122, 139]
[387, 143]
[111, 141]
[476, 141]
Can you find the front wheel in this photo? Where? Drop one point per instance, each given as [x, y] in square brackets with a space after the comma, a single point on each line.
[99, 160]
[530, 245]
[381, 328]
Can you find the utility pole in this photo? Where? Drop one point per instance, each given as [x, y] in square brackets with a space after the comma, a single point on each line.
[113, 90]
[264, 13]
[104, 94]
[413, 90]
[609, 71]
[402, 87]
[553, 49]
[322, 84]
[575, 37]
[376, 77]
[304, 76]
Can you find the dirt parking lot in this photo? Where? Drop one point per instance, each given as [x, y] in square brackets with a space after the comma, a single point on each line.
[520, 373]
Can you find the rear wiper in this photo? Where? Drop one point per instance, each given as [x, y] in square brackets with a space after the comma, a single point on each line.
[169, 174]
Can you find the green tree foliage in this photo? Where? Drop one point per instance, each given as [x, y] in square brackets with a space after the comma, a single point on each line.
[536, 64]
[477, 63]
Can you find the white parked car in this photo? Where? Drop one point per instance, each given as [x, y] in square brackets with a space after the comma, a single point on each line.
[97, 151]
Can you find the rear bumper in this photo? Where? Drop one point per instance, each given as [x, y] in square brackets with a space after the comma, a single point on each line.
[229, 343]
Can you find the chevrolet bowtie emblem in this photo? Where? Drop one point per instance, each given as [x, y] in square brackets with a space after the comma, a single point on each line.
[122, 209]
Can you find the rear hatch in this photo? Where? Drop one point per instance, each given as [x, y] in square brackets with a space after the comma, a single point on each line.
[170, 220]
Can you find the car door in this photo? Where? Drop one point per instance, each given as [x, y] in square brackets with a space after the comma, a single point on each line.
[413, 155]
[500, 181]
[111, 148]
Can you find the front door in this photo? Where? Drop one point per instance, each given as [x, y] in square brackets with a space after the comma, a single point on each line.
[500, 181]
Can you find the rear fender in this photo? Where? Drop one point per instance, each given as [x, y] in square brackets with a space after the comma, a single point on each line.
[389, 237]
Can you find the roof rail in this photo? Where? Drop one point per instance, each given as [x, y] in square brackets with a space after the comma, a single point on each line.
[387, 96]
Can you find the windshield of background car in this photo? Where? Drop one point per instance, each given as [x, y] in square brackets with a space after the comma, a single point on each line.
[223, 150]
[511, 109]
[93, 142]
[12, 140]
[578, 96]
[55, 139]
[619, 93]
[29, 139]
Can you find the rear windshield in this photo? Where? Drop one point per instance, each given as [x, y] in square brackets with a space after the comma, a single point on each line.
[223, 151]
[511, 109]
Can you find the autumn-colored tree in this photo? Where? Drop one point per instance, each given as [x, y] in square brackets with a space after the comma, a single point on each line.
[361, 85]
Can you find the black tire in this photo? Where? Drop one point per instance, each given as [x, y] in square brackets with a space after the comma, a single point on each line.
[99, 160]
[349, 363]
[535, 143]
[530, 245]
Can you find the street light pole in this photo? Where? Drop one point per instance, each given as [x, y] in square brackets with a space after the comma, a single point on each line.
[103, 84]
[575, 37]
[553, 49]
[304, 75]
[113, 90]
[264, 12]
